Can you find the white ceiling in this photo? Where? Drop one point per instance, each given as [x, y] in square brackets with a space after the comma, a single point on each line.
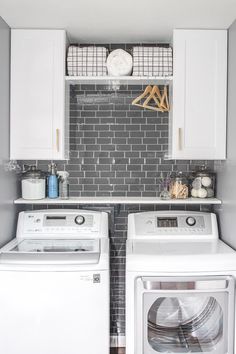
[100, 21]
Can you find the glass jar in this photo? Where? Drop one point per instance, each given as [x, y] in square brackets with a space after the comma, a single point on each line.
[179, 186]
[165, 186]
[202, 183]
[33, 183]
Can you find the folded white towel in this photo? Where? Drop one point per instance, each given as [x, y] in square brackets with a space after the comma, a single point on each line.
[119, 63]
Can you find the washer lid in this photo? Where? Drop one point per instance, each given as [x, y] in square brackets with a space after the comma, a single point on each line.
[79, 251]
[56, 245]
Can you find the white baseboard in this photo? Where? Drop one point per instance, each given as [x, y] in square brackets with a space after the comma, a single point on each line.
[117, 341]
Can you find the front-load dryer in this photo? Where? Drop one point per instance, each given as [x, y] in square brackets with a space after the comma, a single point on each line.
[180, 285]
[54, 279]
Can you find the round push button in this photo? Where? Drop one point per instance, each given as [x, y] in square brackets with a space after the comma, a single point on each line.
[191, 221]
[79, 220]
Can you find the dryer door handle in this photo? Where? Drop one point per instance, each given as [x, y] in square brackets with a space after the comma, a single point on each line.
[175, 284]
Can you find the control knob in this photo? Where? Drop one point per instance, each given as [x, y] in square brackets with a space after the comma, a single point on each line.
[79, 220]
[191, 221]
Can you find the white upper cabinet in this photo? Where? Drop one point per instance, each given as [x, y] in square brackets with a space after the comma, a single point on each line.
[38, 126]
[198, 117]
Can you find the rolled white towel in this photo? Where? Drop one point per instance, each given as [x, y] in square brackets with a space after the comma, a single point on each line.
[119, 63]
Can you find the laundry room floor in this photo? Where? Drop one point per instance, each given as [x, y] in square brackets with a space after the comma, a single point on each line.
[117, 351]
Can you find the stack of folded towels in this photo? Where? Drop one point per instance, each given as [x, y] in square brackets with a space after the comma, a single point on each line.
[152, 61]
[86, 61]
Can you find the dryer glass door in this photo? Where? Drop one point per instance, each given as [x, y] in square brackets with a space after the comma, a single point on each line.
[187, 316]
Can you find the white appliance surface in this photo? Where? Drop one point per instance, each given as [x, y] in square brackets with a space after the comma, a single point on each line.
[176, 261]
[178, 248]
[176, 241]
[179, 255]
[54, 278]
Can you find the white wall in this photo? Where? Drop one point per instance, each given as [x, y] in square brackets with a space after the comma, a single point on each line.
[226, 171]
[8, 185]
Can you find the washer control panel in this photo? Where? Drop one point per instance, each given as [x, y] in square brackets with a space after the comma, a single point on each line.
[76, 223]
[179, 223]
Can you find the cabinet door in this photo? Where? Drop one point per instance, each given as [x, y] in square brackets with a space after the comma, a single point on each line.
[198, 127]
[37, 94]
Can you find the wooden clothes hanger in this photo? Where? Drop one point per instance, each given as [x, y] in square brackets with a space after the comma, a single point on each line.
[164, 100]
[153, 93]
[136, 101]
[155, 96]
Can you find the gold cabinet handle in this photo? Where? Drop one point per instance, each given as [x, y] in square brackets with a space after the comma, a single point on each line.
[57, 139]
[180, 139]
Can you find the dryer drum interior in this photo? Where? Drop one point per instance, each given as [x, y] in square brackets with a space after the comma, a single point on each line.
[185, 324]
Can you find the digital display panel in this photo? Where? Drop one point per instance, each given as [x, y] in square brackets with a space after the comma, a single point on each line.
[167, 222]
[56, 217]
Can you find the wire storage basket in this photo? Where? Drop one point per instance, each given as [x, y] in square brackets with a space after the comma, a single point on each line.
[86, 61]
[152, 61]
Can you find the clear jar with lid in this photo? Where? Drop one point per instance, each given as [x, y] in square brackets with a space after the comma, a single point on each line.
[33, 183]
[202, 183]
[179, 186]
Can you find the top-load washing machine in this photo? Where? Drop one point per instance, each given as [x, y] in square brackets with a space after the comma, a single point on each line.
[180, 285]
[54, 284]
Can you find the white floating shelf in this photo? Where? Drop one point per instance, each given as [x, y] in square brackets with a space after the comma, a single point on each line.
[118, 200]
[132, 80]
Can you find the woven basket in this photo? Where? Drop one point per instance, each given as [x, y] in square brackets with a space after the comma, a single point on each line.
[86, 61]
[152, 61]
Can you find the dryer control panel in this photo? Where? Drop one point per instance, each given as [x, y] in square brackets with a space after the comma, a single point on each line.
[170, 224]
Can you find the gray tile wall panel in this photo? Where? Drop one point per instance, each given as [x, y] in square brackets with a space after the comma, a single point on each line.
[116, 149]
